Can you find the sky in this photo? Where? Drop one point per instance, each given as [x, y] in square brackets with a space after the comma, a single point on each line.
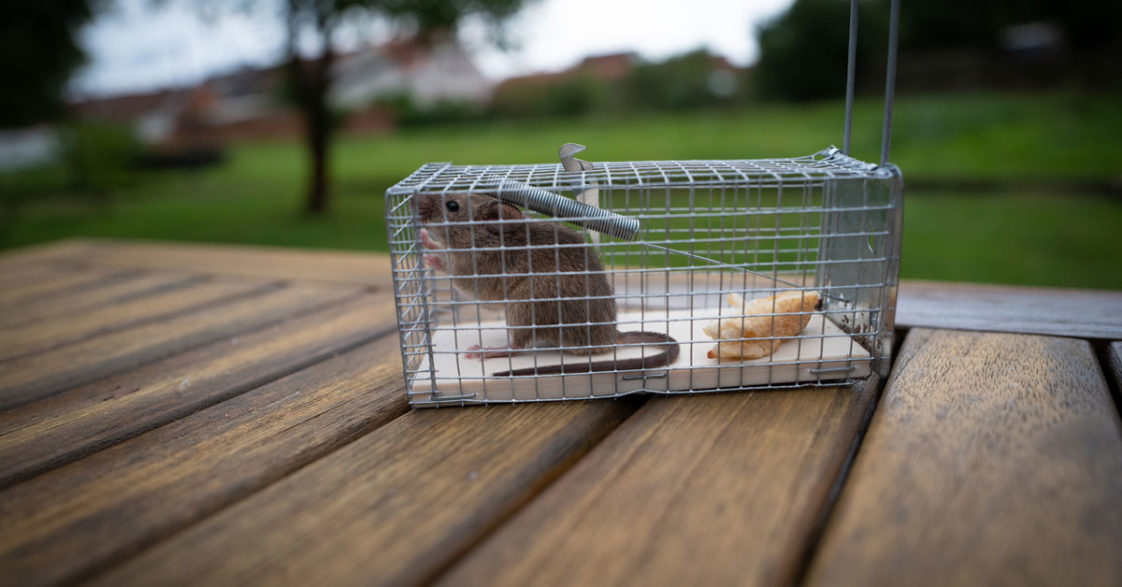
[136, 47]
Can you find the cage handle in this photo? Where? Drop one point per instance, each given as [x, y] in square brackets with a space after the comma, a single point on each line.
[889, 82]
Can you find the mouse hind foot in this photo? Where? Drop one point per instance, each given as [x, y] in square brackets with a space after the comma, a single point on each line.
[481, 352]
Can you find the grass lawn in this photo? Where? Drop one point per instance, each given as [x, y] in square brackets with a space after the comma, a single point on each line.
[1015, 234]
[1064, 240]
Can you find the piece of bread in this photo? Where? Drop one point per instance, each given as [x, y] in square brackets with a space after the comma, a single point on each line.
[760, 325]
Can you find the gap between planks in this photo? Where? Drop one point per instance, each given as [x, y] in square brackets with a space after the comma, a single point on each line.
[1110, 356]
[34, 377]
[37, 337]
[709, 489]
[59, 429]
[993, 459]
[59, 283]
[391, 507]
[63, 253]
[324, 266]
[1078, 313]
[68, 524]
[143, 284]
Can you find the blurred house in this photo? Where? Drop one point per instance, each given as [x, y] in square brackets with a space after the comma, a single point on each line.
[620, 83]
[152, 114]
[579, 89]
[430, 75]
[609, 68]
[251, 103]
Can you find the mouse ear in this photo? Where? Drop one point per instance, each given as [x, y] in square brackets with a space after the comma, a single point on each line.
[495, 211]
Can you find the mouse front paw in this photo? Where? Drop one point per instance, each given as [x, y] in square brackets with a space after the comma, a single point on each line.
[428, 242]
[435, 262]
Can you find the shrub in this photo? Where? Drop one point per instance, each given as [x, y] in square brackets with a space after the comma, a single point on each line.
[100, 156]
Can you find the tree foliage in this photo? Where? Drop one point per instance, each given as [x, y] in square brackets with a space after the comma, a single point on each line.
[311, 77]
[38, 53]
[431, 16]
[803, 51]
[690, 80]
[1088, 25]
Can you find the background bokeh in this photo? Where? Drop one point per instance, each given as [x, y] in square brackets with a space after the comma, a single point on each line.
[1008, 123]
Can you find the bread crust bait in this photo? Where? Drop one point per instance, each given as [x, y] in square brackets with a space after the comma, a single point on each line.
[761, 325]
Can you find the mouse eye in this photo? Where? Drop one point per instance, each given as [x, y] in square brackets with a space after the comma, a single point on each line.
[452, 205]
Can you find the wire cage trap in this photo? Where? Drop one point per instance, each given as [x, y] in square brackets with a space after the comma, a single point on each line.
[591, 280]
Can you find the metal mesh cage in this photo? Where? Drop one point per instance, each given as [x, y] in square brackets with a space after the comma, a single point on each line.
[545, 299]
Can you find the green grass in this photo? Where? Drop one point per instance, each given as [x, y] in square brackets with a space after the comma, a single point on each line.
[1032, 239]
[1011, 235]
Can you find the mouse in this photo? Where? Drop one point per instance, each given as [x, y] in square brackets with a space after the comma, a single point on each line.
[495, 253]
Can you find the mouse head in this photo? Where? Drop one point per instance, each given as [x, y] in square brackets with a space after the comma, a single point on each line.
[467, 219]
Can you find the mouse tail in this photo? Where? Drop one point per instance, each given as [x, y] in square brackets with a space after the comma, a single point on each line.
[666, 357]
[659, 360]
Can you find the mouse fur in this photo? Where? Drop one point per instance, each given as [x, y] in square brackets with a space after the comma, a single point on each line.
[553, 283]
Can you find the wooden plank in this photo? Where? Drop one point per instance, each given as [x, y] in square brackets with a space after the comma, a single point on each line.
[67, 252]
[1005, 308]
[993, 459]
[58, 283]
[22, 275]
[706, 490]
[63, 526]
[391, 508]
[35, 337]
[1114, 372]
[1115, 354]
[77, 302]
[271, 262]
[36, 376]
[45, 434]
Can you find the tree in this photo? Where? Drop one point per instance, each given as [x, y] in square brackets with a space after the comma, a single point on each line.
[803, 52]
[695, 79]
[38, 53]
[311, 76]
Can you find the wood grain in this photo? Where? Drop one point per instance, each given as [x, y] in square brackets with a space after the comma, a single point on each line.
[706, 490]
[36, 376]
[347, 267]
[63, 526]
[45, 434]
[57, 283]
[116, 292]
[35, 337]
[993, 459]
[67, 251]
[24, 274]
[1006, 308]
[1113, 369]
[391, 508]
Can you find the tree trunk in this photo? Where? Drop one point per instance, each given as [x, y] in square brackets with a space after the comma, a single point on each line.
[317, 118]
[310, 82]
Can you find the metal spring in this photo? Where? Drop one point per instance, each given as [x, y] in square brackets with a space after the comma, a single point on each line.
[558, 206]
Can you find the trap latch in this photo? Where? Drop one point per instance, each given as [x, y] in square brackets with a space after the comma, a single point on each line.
[583, 211]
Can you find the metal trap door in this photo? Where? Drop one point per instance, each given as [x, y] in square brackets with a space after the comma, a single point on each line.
[859, 254]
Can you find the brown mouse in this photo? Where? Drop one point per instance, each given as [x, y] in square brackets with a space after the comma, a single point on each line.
[523, 260]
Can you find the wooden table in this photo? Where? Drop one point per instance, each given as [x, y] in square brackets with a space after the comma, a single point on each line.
[228, 415]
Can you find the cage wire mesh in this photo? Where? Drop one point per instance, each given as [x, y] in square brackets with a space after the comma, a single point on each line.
[578, 280]
[825, 224]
